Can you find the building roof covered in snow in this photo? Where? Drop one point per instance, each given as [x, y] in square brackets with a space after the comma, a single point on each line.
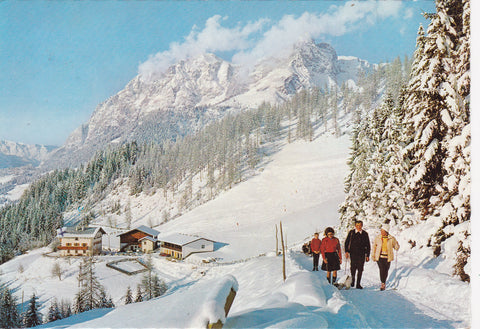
[179, 239]
[87, 232]
[148, 238]
[144, 229]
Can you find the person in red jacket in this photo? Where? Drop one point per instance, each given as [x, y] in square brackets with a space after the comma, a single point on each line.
[315, 248]
[331, 254]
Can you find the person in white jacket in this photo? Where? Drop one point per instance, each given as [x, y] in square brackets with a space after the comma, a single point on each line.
[383, 252]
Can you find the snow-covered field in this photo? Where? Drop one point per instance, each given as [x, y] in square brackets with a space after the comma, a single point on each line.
[301, 186]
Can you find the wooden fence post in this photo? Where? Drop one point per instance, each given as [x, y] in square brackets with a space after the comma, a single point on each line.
[283, 252]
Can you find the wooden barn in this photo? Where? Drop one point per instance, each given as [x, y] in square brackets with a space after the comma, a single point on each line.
[180, 246]
[81, 242]
[132, 240]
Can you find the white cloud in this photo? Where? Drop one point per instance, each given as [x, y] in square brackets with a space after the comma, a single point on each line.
[277, 39]
[408, 13]
[214, 37]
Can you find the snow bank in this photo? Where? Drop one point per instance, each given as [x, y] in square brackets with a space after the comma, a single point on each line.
[204, 302]
[305, 288]
[213, 309]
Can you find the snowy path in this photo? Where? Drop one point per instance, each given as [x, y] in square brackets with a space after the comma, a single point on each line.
[383, 309]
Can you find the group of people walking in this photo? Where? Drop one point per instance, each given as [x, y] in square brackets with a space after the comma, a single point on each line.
[357, 249]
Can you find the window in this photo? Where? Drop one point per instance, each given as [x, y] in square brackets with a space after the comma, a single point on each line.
[203, 246]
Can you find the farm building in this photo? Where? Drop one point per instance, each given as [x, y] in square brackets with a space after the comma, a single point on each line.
[81, 242]
[148, 244]
[180, 246]
[130, 240]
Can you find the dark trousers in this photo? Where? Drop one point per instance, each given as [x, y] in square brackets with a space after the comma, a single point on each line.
[383, 266]
[315, 260]
[356, 267]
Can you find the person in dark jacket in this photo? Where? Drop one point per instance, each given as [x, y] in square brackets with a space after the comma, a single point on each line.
[315, 249]
[357, 248]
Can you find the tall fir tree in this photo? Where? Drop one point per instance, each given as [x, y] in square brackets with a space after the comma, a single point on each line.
[9, 317]
[355, 184]
[424, 104]
[32, 316]
[91, 293]
[139, 295]
[390, 169]
[128, 296]
[437, 110]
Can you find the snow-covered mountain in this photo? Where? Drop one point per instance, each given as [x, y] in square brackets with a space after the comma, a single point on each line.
[13, 154]
[195, 91]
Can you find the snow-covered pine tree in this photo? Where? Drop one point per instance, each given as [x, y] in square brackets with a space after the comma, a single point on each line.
[65, 308]
[32, 316]
[54, 312]
[104, 301]
[128, 296]
[375, 176]
[388, 169]
[151, 285]
[456, 116]
[139, 295]
[159, 286]
[78, 304]
[9, 317]
[91, 291]
[348, 208]
[424, 104]
[438, 109]
[355, 186]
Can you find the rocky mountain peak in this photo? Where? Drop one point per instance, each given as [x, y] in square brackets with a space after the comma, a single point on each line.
[196, 90]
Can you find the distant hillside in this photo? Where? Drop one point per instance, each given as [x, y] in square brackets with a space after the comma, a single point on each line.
[14, 154]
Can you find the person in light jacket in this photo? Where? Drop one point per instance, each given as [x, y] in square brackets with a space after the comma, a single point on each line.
[383, 252]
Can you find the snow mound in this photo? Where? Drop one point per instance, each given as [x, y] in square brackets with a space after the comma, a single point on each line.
[213, 309]
[203, 302]
[305, 288]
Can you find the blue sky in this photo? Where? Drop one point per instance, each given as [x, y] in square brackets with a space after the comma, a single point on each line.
[60, 59]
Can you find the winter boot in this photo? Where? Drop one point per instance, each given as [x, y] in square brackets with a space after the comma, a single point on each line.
[334, 278]
[328, 279]
[359, 278]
